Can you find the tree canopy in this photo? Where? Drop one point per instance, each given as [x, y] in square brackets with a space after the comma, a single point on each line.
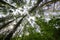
[29, 19]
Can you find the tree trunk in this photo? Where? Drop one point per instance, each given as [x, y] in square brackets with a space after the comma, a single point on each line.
[8, 37]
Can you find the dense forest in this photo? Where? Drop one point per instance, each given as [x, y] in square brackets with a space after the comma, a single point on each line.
[29, 19]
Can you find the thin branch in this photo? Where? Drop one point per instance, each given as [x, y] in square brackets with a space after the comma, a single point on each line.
[3, 19]
[47, 3]
[44, 4]
[37, 4]
[3, 2]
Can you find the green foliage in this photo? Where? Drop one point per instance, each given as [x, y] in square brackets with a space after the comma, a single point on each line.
[34, 36]
[55, 21]
[48, 30]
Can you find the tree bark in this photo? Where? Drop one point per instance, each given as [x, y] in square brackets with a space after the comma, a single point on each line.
[37, 4]
[8, 37]
[4, 25]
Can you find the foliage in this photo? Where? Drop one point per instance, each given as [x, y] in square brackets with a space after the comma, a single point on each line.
[20, 11]
[48, 32]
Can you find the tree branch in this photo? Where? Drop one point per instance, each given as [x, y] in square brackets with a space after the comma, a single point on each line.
[47, 3]
[37, 4]
[5, 25]
[3, 2]
[44, 4]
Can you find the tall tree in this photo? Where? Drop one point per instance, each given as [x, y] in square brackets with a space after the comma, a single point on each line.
[23, 7]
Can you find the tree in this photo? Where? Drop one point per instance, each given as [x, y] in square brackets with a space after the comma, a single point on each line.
[19, 9]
